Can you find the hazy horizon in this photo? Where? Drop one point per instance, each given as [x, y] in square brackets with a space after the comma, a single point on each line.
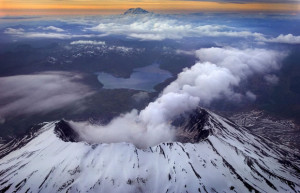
[91, 7]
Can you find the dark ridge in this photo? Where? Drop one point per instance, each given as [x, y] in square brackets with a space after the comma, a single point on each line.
[161, 151]
[45, 179]
[289, 183]
[65, 132]
[65, 185]
[191, 126]
[18, 142]
[137, 156]
[250, 164]
[197, 175]
[5, 188]
[20, 185]
[289, 164]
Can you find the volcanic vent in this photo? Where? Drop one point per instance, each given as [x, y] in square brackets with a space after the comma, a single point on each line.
[188, 128]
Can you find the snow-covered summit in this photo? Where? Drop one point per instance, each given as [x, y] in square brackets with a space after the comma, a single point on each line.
[210, 154]
[135, 11]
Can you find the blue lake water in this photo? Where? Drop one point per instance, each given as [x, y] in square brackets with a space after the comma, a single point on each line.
[141, 79]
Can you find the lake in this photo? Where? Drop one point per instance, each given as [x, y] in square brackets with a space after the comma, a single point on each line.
[144, 78]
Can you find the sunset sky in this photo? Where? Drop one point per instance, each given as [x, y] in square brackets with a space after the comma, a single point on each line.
[15, 7]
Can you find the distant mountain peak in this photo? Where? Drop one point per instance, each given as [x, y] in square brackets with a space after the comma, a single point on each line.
[136, 11]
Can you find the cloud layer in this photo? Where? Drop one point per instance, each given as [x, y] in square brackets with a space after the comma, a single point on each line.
[20, 32]
[159, 28]
[151, 27]
[39, 93]
[286, 39]
[58, 34]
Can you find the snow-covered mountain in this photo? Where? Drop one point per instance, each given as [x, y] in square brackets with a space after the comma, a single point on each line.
[135, 11]
[212, 154]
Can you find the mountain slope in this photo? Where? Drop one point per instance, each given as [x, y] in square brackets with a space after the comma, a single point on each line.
[212, 155]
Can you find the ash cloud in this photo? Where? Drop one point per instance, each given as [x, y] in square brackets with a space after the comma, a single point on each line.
[39, 93]
[214, 76]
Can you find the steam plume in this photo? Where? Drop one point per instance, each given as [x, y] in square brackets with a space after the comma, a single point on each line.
[214, 76]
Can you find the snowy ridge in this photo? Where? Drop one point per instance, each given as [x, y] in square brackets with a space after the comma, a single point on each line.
[222, 157]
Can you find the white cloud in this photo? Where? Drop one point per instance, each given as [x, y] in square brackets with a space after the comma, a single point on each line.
[154, 27]
[46, 35]
[221, 69]
[160, 28]
[286, 39]
[18, 31]
[243, 62]
[87, 42]
[204, 80]
[39, 93]
[53, 28]
[21, 33]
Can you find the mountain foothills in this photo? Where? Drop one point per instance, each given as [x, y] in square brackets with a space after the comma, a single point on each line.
[210, 154]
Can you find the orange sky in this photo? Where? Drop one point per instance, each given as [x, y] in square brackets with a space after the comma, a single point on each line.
[8, 7]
